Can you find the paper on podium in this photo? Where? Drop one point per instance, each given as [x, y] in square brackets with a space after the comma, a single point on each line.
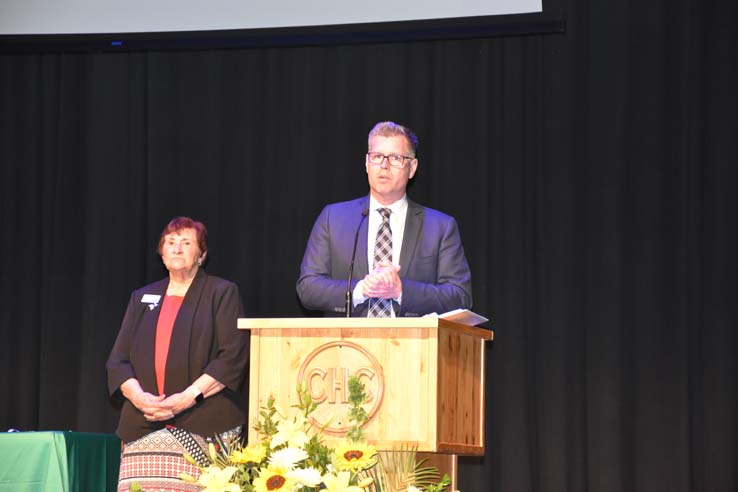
[463, 316]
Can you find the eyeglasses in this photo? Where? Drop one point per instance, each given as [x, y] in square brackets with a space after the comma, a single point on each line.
[398, 161]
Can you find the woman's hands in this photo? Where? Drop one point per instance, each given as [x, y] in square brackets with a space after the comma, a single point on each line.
[156, 408]
[171, 406]
[161, 408]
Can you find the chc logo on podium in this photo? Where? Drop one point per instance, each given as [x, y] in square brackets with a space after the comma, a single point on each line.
[325, 373]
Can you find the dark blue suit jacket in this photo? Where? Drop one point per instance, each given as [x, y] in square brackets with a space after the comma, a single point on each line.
[435, 274]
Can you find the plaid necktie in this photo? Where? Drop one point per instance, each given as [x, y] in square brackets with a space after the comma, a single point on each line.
[382, 308]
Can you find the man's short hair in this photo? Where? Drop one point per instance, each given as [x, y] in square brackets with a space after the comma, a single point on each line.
[392, 129]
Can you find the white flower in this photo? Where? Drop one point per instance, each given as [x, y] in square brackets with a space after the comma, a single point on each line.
[412, 488]
[287, 458]
[290, 431]
[279, 411]
[339, 482]
[307, 477]
[218, 480]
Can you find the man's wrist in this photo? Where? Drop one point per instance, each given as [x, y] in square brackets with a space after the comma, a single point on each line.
[358, 293]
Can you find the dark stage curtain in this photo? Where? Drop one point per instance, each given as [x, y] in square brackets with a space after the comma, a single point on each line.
[592, 173]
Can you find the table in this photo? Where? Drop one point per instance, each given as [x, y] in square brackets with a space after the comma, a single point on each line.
[56, 461]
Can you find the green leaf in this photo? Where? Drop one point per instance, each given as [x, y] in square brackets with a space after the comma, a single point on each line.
[399, 468]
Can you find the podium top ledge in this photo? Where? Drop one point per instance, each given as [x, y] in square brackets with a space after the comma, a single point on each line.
[359, 323]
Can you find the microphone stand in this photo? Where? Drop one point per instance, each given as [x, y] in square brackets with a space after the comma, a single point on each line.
[349, 291]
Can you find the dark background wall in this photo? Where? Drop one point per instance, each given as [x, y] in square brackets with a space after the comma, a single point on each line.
[592, 173]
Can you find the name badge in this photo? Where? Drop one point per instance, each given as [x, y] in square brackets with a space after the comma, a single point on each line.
[151, 299]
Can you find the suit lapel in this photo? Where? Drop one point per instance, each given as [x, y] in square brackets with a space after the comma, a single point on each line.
[179, 346]
[411, 236]
[147, 339]
[361, 264]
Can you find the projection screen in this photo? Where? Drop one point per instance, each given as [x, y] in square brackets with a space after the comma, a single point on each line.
[235, 22]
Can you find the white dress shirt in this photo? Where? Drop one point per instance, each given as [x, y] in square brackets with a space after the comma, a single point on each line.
[397, 224]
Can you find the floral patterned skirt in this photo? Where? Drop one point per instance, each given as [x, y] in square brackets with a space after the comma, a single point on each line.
[156, 461]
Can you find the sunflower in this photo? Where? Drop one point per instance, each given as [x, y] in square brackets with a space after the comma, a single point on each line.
[354, 456]
[273, 478]
[253, 453]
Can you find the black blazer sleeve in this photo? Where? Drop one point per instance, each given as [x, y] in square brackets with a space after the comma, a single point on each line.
[230, 356]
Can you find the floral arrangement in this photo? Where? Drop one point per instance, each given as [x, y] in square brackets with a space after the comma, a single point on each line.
[290, 456]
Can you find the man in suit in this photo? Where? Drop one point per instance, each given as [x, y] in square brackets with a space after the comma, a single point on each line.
[415, 253]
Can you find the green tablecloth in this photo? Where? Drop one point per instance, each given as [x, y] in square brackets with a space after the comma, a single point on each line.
[58, 462]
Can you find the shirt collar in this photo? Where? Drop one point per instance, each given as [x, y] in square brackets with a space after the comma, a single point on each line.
[398, 207]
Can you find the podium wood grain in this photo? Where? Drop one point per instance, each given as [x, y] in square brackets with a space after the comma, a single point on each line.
[432, 372]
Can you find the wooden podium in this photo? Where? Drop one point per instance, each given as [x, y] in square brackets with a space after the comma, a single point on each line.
[424, 378]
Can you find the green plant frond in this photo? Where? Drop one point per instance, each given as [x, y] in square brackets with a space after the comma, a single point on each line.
[357, 415]
[399, 468]
[440, 486]
[323, 427]
[426, 476]
[266, 426]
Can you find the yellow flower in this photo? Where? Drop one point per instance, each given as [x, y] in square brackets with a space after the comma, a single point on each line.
[211, 451]
[339, 483]
[354, 456]
[217, 480]
[366, 482]
[186, 477]
[290, 431]
[253, 453]
[273, 478]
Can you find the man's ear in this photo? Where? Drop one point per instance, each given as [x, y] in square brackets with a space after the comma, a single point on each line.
[413, 168]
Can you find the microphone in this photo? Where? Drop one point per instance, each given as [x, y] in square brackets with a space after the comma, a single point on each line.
[349, 291]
